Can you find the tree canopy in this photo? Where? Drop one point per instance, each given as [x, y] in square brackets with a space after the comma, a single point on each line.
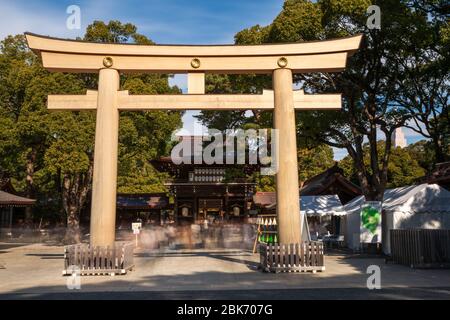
[404, 167]
[398, 78]
[49, 156]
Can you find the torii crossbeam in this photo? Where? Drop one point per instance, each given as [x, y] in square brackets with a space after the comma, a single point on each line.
[281, 60]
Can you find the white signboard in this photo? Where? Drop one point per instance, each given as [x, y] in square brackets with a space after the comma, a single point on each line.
[136, 226]
[370, 222]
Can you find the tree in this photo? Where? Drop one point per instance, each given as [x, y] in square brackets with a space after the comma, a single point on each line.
[25, 135]
[69, 156]
[403, 169]
[423, 152]
[369, 89]
[46, 145]
[424, 83]
[370, 84]
[52, 153]
[142, 136]
[312, 161]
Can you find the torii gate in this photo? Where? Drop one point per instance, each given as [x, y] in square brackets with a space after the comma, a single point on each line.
[282, 60]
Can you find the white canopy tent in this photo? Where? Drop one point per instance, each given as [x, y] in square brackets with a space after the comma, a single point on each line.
[317, 206]
[425, 206]
[321, 205]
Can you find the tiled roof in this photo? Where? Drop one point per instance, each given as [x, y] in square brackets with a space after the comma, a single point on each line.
[319, 183]
[440, 175]
[11, 200]
[5, 185]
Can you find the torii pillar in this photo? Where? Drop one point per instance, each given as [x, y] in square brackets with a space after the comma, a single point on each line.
[287, 190]
[103, 204]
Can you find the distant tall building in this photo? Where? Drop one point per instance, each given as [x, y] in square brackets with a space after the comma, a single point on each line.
[398, 139]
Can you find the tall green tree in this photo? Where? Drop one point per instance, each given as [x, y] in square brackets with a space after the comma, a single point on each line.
[424, 152]
[143, 135]
[69, 156]
[371, 85]
[50, 155]
[403, 169]
[312, 161]
[424, 83]
[23, 137]
[368, 87]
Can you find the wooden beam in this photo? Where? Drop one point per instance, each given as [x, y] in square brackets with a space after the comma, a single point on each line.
[40, 44]
[78, 56]
[195, 102]
[263, 101]
[69, 62]
[72, 102]
[316, 101]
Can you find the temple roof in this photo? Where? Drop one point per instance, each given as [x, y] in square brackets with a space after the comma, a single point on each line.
[320, 183]
[6, 185]
[11, 200]
[329, 182]
[165, 164]
[440, 175]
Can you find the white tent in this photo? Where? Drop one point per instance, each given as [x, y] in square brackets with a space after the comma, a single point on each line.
[317, 206]
[425, 206]
[321, 205]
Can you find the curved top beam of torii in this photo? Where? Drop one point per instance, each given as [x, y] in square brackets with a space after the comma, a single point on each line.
[81, 56]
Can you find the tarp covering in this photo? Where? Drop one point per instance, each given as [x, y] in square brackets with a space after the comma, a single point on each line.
[424, 206]
[320, 205]
[423, 198]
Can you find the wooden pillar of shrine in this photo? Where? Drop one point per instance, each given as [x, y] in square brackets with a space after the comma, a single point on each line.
[104, 183]
[287, 190]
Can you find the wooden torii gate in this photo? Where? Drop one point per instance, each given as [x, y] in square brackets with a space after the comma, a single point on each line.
[280, 60]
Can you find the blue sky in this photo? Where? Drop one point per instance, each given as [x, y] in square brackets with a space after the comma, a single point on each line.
[164, 21]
